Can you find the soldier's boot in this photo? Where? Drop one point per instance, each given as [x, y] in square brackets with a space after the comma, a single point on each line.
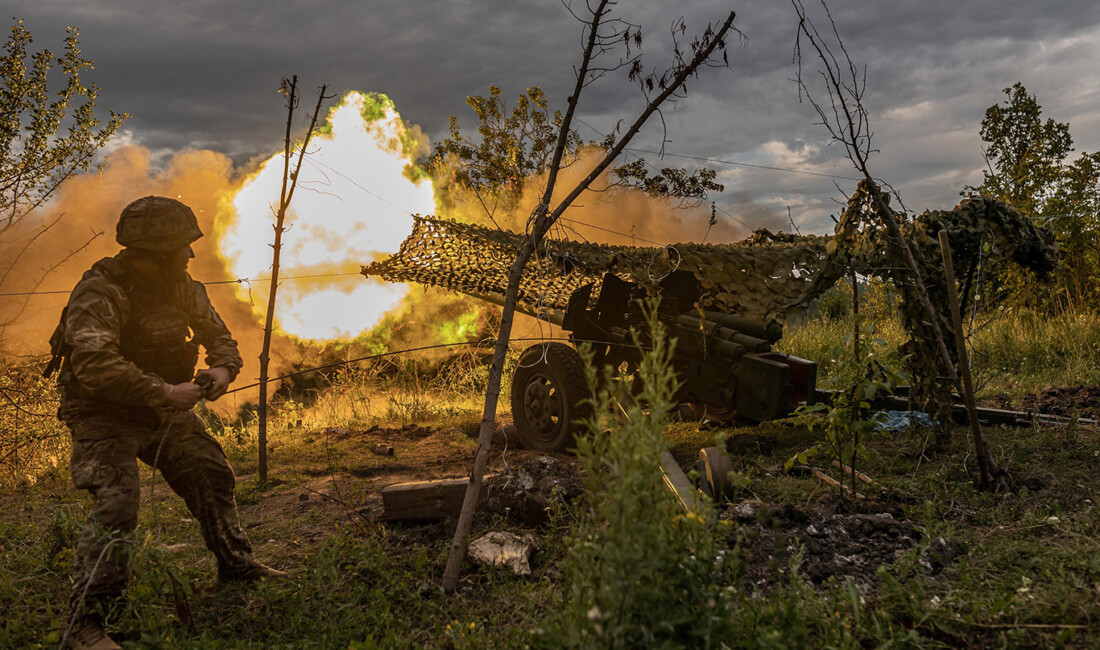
[252, 573]
[87, 634]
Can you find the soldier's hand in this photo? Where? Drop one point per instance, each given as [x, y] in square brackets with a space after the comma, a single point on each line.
[183, 396]
[221, 382]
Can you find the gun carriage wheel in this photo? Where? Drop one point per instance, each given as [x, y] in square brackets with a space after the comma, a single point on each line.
[548, 389]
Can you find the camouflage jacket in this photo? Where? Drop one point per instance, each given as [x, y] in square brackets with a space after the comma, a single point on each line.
[99, 319]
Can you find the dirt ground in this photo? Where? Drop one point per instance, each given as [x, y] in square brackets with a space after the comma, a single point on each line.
[1066, 401]
[1025, 559]
[519, 489]
[1069, 401]
[834, 538]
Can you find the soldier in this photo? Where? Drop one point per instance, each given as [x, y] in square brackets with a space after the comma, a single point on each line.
[127, 347]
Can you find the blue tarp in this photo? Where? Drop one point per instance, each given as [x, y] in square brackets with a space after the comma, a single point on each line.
[895, 421]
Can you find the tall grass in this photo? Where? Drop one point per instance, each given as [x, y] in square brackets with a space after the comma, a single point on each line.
[1022, 352]
[828, 323]
[1013, 352]
[401, 391]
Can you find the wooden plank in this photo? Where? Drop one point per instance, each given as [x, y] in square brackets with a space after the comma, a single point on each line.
[849, 471]
[677, 481]
[828, 480]
[423, 500]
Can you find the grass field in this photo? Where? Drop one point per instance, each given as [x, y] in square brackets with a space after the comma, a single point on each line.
[980, 570]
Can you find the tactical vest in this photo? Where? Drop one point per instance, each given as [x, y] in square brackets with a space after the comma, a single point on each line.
[156, 337]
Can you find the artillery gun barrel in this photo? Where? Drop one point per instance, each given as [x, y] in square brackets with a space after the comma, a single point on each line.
[555, 316]
[750, 343]
[724, 341]
[718, 330]
[771, 331]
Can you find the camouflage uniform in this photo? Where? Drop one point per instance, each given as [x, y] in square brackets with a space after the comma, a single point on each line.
[124, 338]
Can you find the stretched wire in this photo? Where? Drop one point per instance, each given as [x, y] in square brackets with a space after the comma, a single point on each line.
[383, 355]
[213, 282]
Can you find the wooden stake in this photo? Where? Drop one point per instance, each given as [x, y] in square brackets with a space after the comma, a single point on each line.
[987, 467]
[855, 317]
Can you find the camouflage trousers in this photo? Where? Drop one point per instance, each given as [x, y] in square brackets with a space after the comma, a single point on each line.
[106, 448]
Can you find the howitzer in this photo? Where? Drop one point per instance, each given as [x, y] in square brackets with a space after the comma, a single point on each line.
[719, 301]
[724, 361]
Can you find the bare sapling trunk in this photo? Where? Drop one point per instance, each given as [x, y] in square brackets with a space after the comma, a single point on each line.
[847, 122]
[859, 361]
[541, 221]
[286, 193]
[855, 316]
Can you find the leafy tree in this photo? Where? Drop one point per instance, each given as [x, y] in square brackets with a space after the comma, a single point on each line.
[1075, 210]
[45, 137]
[515, 145]
[1026, 158]
[1025, 154]
[669, 181]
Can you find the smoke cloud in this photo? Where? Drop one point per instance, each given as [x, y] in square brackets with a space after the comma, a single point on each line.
[613, 214]
[88, 204]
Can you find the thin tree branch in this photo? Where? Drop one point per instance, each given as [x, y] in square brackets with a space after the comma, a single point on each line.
[540, 221]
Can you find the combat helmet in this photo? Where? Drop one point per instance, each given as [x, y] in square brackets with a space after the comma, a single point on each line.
[157, 223]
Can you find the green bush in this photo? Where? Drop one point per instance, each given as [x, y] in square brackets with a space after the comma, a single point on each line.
[641, 571]
[847, 422]
[32, 441]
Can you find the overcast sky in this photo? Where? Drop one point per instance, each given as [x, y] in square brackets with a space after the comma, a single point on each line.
[203, 73]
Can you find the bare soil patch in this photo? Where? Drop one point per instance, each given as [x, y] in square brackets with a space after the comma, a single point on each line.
[1066, 401]
[833, 540]
[1069, 401]
[525, 492]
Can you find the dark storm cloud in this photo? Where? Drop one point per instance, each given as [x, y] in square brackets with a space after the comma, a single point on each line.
[204, 74]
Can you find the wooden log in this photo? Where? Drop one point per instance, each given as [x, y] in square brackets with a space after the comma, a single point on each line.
[423, 500]
[675, 479]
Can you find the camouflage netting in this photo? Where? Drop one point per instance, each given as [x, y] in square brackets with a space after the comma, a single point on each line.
[987, 237]
[759, 277]
[762, 277]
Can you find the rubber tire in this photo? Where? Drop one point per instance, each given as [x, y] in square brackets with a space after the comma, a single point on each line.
[548, 396]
